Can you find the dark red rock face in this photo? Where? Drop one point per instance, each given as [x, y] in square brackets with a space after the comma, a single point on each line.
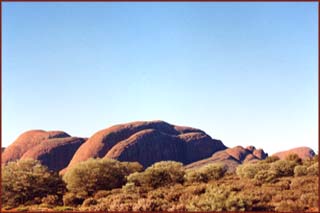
[302, 152]
[55, 153]
[232, 157]
[147, 147]
[27, 141]
[199, 146]
[147, 143]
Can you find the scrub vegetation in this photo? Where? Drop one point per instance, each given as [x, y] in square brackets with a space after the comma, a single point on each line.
[109, 185]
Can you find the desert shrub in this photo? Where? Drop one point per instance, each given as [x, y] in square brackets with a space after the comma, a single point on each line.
[116, 202]
[309, 161]
[132, 167]
[206, 173]
[313, 169]
[266, 176]
[162, 199]
[129, 187]
[87, 177]
[283, 184]
[219, 198]
[191, 191]
[309, 199]
[159, 174]
[171, 193]
[196, 189]
[249, 170]
[71, 199]
[304, 184]
[51, 200]
[27, 181]
[294, 157]
[315, 158]
[300, 170]
[62, 208]
[283, 168]
[195, 176]
[270, 159]
[101, 193]
[22, 209]
[156, 204]
[137, 178]
[180, 207]
[289, 206]
[89, 201]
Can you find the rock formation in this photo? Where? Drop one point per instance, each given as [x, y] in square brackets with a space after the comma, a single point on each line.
[232, 157]
[54, 153]
[147, 143]
[27, 141]
[302, 152]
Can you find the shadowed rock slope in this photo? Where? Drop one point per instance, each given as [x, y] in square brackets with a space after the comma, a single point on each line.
[232, 157]
[147, 143]
[302, 152]
[55, 153]
[28, 140]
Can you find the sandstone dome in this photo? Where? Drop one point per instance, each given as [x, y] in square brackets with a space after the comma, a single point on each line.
[147, 143]
[27, 141]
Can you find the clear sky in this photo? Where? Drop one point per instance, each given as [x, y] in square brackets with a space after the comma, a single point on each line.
[245, 73]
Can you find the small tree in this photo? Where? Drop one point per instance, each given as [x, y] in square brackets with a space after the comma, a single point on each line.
[159, 174]
[220, 198]
[266, 176]
[27, 181]
[294, 157]
[249, 170]
[206, 173]
[313, 169]
[271, 159]
[86, 178]
[300, 170]
[283, 168]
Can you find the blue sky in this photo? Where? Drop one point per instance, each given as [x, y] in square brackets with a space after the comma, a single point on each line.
[246, 73]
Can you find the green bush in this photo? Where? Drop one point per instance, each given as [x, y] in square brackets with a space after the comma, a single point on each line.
[300, 170]
[249, 170]
[116, 202]
[309, 199]
[51, 200]
[27, 181]
[313, 169]
[22, 209]
[129, 187]
[266, 176]
[289, 206]
[294, 157]
[206, 173]
[152, 205]
[71, 199]
[137, 178]
[62, 208]
[220, 198]
[271, 159]
[87, 177]
[283, 168]
[101, 193]
[159, 174]
[315, 158]
[89, 201]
